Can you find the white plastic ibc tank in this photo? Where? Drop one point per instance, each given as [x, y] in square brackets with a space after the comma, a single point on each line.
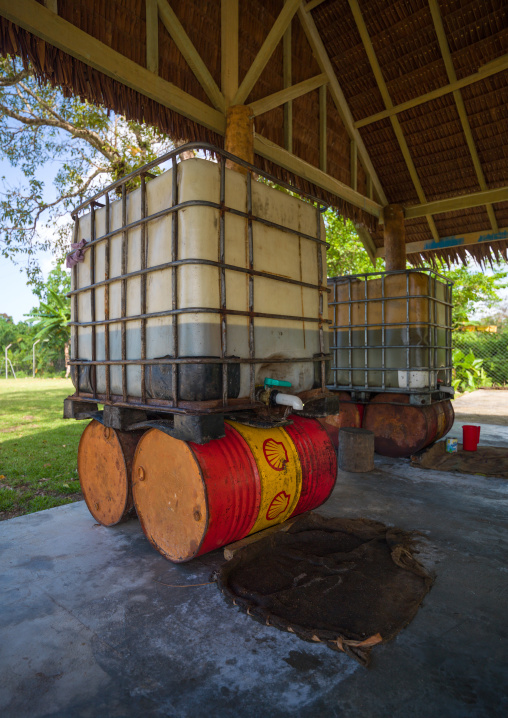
[199, 333]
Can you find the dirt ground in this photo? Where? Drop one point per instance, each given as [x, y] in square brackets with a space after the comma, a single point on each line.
[487, 406]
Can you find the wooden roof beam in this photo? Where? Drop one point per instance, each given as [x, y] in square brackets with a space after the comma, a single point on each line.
[315, 176]
[290, 93]
[312, 4]
[460, 240]
[287, 79]
[191, 55]
[376, 69]
[459, 102]
[274, 36]
[229, 49]
[455, 204]
[152, 36]
[491, 68]
[335, 89]
[43, 23]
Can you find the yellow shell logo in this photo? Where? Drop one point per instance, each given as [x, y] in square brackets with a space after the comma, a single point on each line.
[276, 454]
[278, 506]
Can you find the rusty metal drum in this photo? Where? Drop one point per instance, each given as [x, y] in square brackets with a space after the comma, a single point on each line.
[350, 416]
[104, 467]
[318, 460]
[193, 498]
[401, 429]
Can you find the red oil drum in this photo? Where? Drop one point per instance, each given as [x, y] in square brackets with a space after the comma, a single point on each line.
[350, 415]
[104, 468]
[193, 498]
[401, 429]
[318, 460]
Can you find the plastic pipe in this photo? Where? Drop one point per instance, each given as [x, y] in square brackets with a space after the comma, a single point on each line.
[289, 400]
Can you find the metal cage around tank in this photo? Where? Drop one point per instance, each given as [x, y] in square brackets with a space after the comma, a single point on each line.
[391, 332]
[86, 387]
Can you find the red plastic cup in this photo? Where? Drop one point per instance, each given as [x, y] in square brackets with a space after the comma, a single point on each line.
[470, 437]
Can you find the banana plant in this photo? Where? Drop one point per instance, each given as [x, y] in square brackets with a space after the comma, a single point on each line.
[468, 372]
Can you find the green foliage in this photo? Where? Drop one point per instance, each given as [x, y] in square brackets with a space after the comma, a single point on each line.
[492, 349]
[46, 323]
[468, 372]
[473, 288]
[346, 254]
[87, 146]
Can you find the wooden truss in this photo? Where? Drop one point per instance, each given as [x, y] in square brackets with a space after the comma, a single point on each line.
[44, 22]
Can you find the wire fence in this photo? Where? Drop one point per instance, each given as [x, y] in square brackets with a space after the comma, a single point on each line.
[492, 349]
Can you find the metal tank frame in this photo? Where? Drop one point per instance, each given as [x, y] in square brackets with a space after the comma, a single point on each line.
[85, 400]
[417, 395]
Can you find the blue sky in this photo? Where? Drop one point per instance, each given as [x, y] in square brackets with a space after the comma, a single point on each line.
[16, 298]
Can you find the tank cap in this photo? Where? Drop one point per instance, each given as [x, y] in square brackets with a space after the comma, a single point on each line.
[276, 382]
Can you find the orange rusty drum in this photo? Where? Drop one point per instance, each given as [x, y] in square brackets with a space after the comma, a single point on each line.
[350, 416]
[193, 498]
[401, 429]
[104, 468]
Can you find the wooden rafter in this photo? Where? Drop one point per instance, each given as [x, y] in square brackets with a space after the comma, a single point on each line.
[460, 240]
[323, 160]
[325, 64]
[229, 49]
[376, 69]
[290, 93]
[43, 23]
[287, 81]
[274, 36]
[312, 174]
[459, 102]
[455, 204]
[491, 68]
[191, 55]
[367, 242]
[312, 4]
[152, 36]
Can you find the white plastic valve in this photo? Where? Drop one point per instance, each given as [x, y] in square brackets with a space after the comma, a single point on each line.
[289, 400]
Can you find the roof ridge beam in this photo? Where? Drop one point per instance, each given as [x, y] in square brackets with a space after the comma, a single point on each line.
[459, 102]
[191, 55]
[289, 93]
[335, 89]
[272, 40]
[376, 69]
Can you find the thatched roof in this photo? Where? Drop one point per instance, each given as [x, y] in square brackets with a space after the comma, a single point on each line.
[381, 53]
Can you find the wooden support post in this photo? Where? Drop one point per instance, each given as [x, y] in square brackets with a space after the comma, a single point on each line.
[239, 138]
[356, 450]
[394, 237]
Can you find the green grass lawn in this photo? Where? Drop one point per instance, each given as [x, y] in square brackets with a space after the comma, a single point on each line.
[38, 449]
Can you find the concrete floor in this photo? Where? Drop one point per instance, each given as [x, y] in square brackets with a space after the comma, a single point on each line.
[484, 406]
[88, 628]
